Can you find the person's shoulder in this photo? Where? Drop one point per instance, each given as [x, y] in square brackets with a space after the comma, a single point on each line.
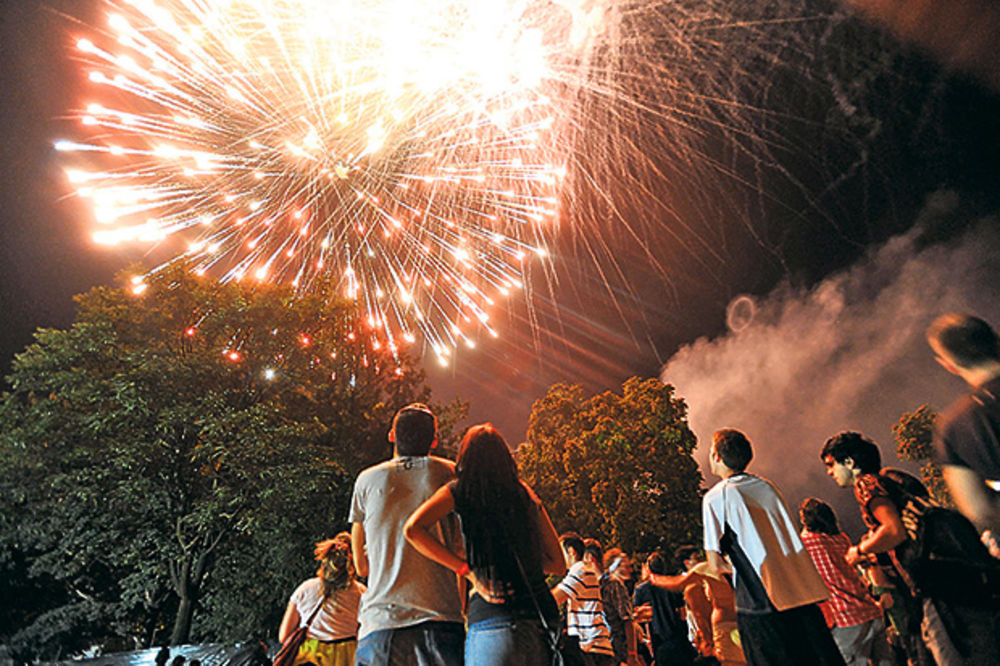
[307, 588]
[715, 492]
[438, 461]
[369, 473]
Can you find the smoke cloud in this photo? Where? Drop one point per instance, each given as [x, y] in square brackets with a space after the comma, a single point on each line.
[797, 365]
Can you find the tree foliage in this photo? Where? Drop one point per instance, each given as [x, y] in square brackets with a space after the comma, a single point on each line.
[914, 434]
[167, 462]
[616, 467]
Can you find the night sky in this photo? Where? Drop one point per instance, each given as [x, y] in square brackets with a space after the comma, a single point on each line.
[839, 185]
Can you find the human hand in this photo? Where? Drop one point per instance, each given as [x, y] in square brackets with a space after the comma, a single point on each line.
[853, 557]
[885, 601]
[643, 613]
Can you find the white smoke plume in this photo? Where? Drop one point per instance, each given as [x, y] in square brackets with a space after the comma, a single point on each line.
[798, 366]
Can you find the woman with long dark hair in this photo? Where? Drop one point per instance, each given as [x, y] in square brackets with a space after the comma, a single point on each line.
[511, 544]
[332, 637]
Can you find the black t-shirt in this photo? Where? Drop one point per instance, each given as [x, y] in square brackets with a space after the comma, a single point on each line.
[667, 625]
[968, 433]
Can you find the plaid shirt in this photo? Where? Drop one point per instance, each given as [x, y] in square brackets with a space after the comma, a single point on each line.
[849, 603]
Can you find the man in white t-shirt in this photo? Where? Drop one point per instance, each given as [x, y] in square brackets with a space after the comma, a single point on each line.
[411, 612]
[777, 585]
[581, 591]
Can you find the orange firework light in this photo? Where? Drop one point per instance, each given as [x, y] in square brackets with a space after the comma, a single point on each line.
[402, 147]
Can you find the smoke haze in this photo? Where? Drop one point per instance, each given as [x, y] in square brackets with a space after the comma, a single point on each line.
[849, 353]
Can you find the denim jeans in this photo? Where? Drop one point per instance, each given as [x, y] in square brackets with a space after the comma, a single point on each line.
[424, 644]
[507, 642]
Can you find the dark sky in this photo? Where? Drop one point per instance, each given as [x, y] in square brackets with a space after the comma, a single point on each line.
[845, 136]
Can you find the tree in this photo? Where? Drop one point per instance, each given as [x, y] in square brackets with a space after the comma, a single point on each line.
[616, 467]
[914, 434]
[178, 449]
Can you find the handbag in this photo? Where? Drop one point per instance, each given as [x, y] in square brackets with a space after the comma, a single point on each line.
[565, 649]
[290, 648]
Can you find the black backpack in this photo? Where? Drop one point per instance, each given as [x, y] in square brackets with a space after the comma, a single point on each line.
[946, 558]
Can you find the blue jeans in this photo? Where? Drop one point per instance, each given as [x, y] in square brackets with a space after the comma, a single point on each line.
[424, 644]
[507, 642]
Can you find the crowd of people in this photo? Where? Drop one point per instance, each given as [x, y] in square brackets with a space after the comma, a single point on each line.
[457, 558]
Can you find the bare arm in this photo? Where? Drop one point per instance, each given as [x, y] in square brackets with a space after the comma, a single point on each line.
[358, 550]
[417, 529]
[889, 533]
[672, 583]
[289, 623]
[715, 563]
[976, 502]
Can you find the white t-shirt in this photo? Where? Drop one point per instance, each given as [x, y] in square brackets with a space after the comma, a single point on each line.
[404, 587]
[756, 513]
[339, 617]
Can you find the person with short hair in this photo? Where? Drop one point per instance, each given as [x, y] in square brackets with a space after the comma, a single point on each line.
[955, 630]
[617, 603]
[777, 586]
[967, 434]
[668, 630]
[412, 610]
[854, 618]
[580, 590]
[334, 595]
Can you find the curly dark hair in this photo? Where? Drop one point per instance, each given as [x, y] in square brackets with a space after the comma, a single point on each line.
[862, 450]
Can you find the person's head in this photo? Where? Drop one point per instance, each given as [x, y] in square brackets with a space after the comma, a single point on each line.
[593, 552]
[414, 430]
[162, 656]
[847, 455]
[962, 342]
[617, 563]
[731, 452]
[336, 566]
[818, 516]
[572, 547]
[688, 556]
[178, 660]
[654, 564]
[484, 457]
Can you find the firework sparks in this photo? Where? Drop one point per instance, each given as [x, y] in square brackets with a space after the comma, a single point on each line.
[400, 148]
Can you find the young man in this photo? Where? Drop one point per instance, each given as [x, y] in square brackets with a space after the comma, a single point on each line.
[954, 630]
[967, 435]
[580, 589]
[412, 610]
[854, 618]
[616, 570]
[668, 630]
[777, 586]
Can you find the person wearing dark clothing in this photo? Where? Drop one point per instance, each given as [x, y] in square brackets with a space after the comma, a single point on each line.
[668, 630]
[957, 629]
[967, 434]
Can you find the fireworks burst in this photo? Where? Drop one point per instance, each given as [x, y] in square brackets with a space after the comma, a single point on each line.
[419, 154]
[403, 149]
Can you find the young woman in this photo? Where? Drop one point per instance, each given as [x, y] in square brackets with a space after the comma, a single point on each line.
[511, 545]
[332, 637]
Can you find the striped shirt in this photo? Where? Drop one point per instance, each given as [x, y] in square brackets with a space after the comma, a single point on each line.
[584, 611]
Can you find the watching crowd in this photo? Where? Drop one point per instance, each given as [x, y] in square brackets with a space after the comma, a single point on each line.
[457, 557]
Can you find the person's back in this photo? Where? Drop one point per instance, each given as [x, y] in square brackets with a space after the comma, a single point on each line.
[777, 586]
[406, 591]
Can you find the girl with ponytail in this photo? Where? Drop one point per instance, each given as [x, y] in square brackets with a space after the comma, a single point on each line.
[332, 637]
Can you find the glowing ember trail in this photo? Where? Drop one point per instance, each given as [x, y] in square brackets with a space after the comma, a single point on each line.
[402, 148]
